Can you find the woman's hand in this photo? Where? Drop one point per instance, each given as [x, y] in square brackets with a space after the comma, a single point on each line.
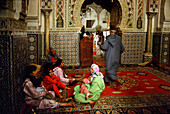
[71, 81]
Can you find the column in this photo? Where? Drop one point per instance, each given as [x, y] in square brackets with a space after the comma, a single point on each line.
[148, 54]
[47, 34]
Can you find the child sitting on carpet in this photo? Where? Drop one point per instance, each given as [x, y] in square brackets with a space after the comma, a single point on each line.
[32, 81]
[92, 87]
[58, 71]
[51, 82]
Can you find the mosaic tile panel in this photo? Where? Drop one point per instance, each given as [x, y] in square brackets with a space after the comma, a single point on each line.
[139, 13]
[5, 102]
[40, 48]
[165, 53]
[153, 5]
[13, 60]
[156, 46]
[19, 61]
[134, 48]
[33, 48]
[46, 3]
[66, 45]
[60, 13]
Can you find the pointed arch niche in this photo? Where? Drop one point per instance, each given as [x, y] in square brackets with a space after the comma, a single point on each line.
[79, 3]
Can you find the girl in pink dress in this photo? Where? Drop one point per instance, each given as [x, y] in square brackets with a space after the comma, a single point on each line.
[58, 71]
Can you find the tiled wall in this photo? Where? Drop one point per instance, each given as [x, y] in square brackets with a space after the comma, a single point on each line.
[66, 45]
[13, 61]
[134, 48]
[156, 46]
[165, 53]
[34, 48]
[161, 46]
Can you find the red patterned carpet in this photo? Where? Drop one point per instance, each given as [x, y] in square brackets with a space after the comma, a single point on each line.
[143, 90]
[134, 83]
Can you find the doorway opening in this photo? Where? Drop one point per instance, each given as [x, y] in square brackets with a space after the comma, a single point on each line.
[96, 17]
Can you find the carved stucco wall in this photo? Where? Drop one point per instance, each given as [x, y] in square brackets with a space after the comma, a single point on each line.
[78, 8]
[132, 11]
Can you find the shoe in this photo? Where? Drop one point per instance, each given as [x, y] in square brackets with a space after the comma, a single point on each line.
[115, 84]
[108, 83]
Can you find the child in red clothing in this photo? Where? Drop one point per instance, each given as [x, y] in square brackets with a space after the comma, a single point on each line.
[50, 82]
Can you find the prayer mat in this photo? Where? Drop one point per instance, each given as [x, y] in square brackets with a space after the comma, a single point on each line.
[142, 90]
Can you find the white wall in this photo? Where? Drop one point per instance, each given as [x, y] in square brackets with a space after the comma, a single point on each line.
[92, 15]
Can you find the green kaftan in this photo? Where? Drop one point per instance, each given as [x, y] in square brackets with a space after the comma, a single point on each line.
[96, 88]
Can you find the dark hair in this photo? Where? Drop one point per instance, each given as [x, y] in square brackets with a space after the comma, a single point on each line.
[29, 70]
[46, 67]
[47, 71]
[58, 62]
[112, 27]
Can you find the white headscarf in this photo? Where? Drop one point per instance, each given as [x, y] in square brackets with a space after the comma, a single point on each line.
[95, 72]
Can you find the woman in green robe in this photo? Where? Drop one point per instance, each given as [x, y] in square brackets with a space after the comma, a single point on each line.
[95, 88]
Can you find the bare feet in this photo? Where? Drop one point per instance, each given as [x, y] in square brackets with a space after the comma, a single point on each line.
[67, 99]
[71, 104]
[60, 96]
[67, 104]
[68, 88]
[92, 103]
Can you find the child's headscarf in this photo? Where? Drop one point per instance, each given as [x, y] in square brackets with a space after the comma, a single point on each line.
[95, 71]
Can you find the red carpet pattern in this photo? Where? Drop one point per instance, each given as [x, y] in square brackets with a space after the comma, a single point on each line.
[154, 99]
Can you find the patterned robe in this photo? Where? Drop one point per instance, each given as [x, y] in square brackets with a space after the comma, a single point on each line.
[60, 73]
[32, 97]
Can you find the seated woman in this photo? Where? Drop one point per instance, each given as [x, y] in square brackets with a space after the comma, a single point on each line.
[32, 96]
[93, 90]
[58, 71]
[52, 57]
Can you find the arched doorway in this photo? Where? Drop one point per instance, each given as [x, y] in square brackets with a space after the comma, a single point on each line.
[100, 13]
[96, 16]
[123, 5]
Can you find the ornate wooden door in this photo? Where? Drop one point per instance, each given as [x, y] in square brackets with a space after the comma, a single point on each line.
[86, 52]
